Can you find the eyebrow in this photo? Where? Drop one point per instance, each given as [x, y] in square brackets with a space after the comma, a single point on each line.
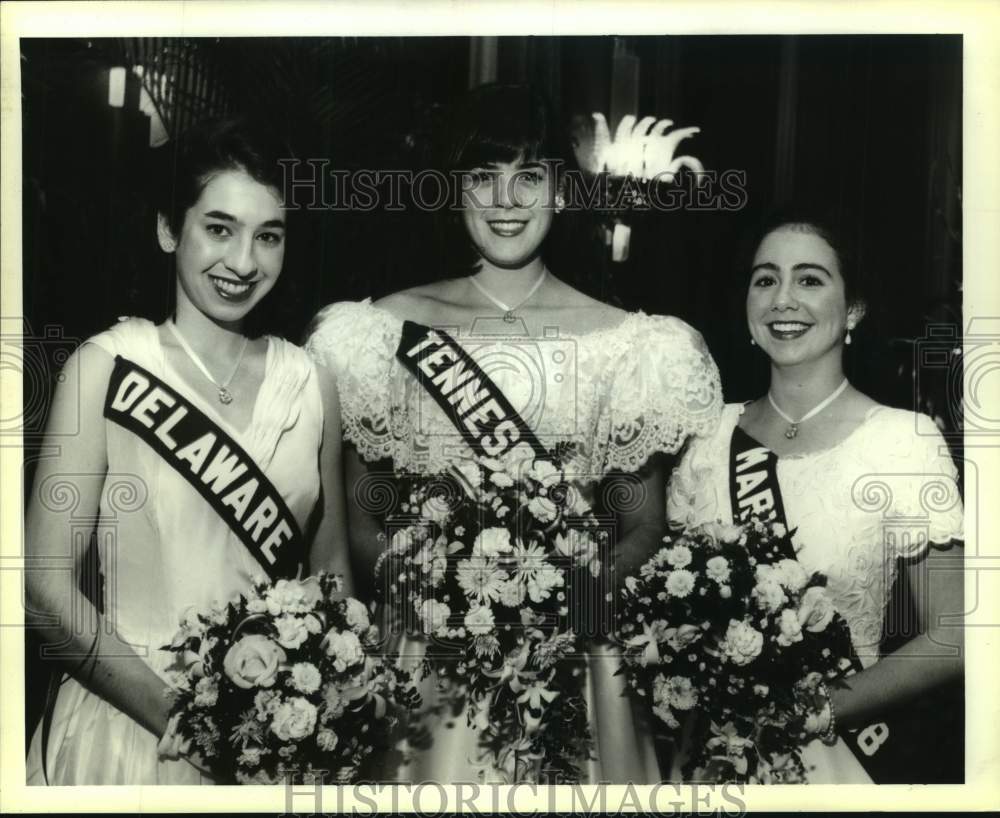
[228, 217]
[798, 268]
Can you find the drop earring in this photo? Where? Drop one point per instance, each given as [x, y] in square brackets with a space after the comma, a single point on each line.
[753, 343]
[847, 338]
[560, 203]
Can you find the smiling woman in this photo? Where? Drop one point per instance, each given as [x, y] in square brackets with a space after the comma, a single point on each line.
[160, 409]
[828, 450]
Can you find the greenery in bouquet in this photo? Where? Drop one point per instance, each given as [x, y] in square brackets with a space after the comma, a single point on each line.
[282, 682]
[487, 562]
[733, 643]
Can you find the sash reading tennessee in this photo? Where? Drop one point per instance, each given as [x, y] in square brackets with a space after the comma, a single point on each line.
[210, 460]
[471, 400]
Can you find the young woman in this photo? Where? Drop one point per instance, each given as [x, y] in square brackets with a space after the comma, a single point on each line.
[627, 388]
[172, 440]
[867, 488]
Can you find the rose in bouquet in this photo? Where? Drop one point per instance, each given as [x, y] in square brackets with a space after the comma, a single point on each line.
[484, 562]
[282, 682]
[733, 643]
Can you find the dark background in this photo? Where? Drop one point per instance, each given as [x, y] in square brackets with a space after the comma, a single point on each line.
[866, 126]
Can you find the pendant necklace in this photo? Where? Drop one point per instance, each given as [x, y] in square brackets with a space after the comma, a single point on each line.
[508, 311]
[225, 396]
[793, 425]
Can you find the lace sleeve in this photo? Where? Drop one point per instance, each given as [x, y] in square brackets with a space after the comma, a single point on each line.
[910, 479]
[354, 341]
[666, 389]
[933, 490]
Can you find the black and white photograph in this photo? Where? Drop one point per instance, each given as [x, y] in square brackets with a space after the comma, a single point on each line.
[490, 410]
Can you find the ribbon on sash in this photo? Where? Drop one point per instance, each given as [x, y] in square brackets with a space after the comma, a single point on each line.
[467, 395]
[214, 464]
[754, 491]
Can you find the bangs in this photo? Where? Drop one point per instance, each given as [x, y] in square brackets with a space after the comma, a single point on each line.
[500, 124]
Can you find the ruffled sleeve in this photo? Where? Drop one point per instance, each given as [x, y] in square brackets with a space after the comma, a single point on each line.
[665, 390]
[915, 485]
[356, 342]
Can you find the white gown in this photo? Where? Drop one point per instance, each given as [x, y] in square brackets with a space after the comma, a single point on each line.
[163, 548]
[884, 493]
[622, 394]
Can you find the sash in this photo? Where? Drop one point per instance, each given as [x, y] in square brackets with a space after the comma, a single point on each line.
[467, 395]
[754, 491]
[213, 463]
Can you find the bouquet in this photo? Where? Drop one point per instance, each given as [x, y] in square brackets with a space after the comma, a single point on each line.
[733, 643]
[481, 561]
[281, 682]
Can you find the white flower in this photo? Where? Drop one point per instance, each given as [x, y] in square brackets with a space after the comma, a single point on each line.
[680, 693]
[206, 692]
[791, 628]
[492, 542]
[679, 556]
[294, 719]
[815, 610]
[761, 690]
[535, 571]
[480, 578]
[743, 643]
[433, 615]
[779, 529]
[250, 757]
[471, 471]
[479, 620]
[544, 472]
[580, 547]
[512, 594]
[293, 596]
[312, 623]
[435, 509]
[327, 740]
[792, 575]
[501, 479]
[725, 591]
[682, 636]
[768, 591]
[266, 702]
[680, 582]
[356, 615]
[402, 540]
[253, 661]
[543, 509]
[345, 649]
[306, 677]
[256, 605]
[292, 631]
[717, 568]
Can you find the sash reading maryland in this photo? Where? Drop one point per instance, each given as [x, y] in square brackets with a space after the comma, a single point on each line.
[210, 460]
[466, 394]
[754, 491]
[753, 480]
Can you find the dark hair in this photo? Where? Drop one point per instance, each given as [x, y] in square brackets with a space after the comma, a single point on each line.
[185, 165]
[819, 224]
[181, 169]
[495, 123]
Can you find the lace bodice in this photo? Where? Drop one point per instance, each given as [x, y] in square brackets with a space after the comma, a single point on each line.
[621, 394]
[883, 493]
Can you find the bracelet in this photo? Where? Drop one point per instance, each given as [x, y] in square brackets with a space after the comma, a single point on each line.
[829, 735]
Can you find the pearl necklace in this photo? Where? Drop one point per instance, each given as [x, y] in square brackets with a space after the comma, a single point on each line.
[509, 315]
[225, 396]
[793, 425]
